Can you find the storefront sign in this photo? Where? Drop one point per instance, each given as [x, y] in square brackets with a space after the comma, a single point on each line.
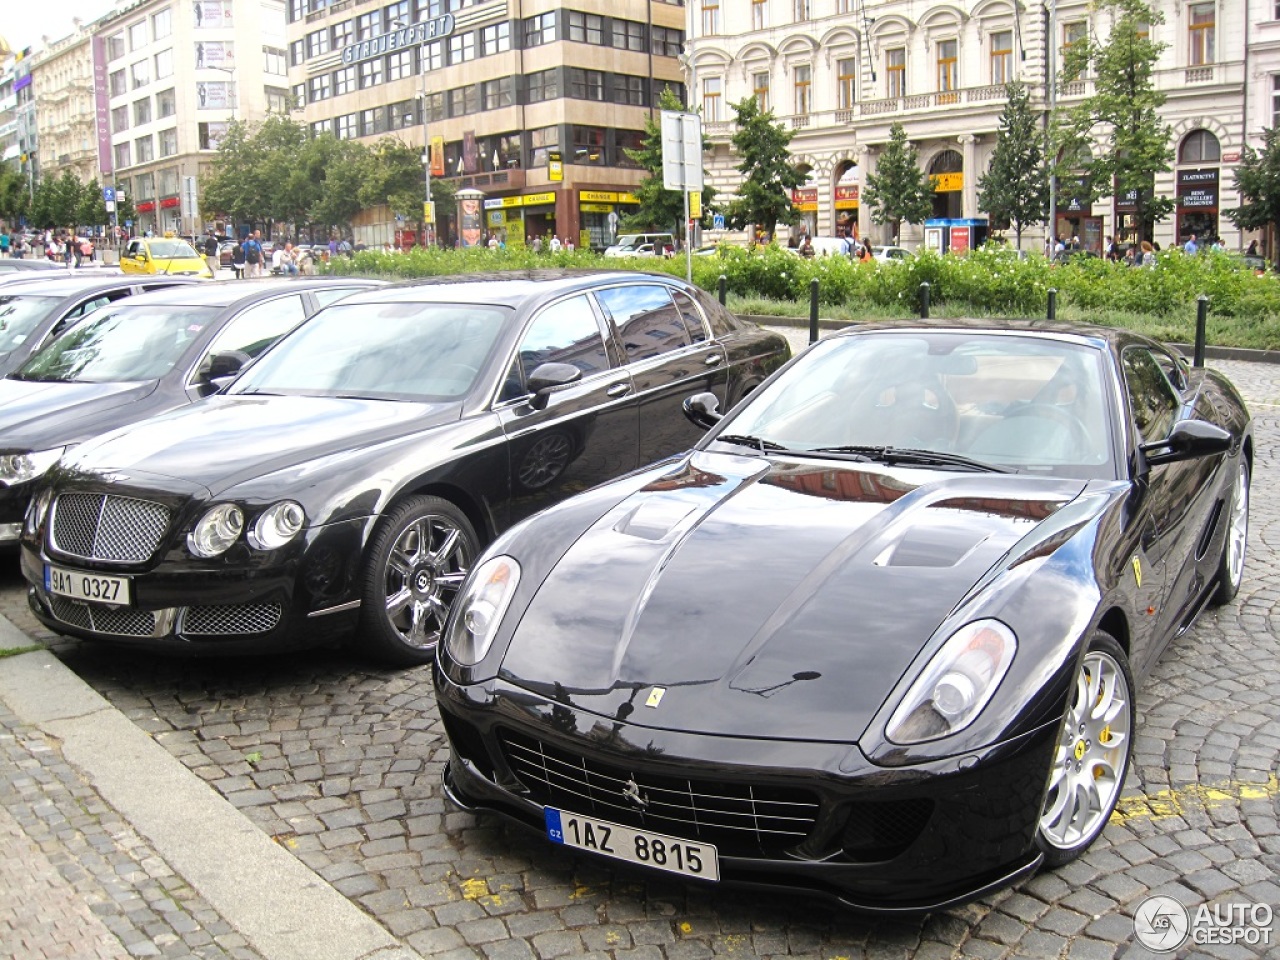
[1231, 158]
[1198, 190]
[695, 204]
[948, 182]
[555, 166]
[1128, 202]
[959, 235]
[1074, 193]
[411, 36]
[805, 199]
[847, 198]
[101, 106]
[169, 202]
[437, 156]
[146, 206]
[597, 196]
[597, 208]
[537, 199]
[627, 198]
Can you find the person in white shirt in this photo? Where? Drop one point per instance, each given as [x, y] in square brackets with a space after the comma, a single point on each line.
[277, 260]
[555, 244]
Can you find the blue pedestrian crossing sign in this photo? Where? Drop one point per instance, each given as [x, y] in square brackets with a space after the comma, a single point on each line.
[717, 222]
[109, 194]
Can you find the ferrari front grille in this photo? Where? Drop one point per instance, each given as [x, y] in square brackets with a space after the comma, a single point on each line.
[96, 526]
[116, 621]
[741, 819]
[230, 619]
[878, 830]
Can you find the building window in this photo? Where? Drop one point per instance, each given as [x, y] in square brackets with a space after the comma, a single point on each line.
[540, 29]
[947, 65]
[140, 73]
[543, 86]
[803, 82]
[462, 47]
[586, 84]
[588, 145]
[142, 111]
[168, 181]
[347, 127]
[846, 83]
[712, 88]
[277, 100]
[164, 64]
[624, 140]
[122, 157]
[1002, 57]
[137, 35]
[344, 80]
[166, 103]
[844, 6]
[320, 88]
[115, 47]
[145, 149]
[628, 35]
[435, 56]
[667, 42]
[541, 142]
[161, 24]
[400, 65]
[895, 68]
[211, 134]
[710, 17]
[1072, 33]
[495, 38]
[368, 26]
[586, 28]
[1275, 98]
[168, 142]
[628, 90]
[299, 92]
[344, 33]
[120, 118]
[495, 94]
[395, 11]
[370, 73]
[297, 53]
[273, 62]
[802, 10]
[760, 87]
[1201, 29]
[321, 126]
[435, 107]
[117, 83]
[1200, 146]
[759, 14]
[372, 121]
[317, 43]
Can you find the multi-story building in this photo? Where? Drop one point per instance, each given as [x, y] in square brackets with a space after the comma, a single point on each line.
[840, 72]
[532, 102]
[66, 117]
[174, 75]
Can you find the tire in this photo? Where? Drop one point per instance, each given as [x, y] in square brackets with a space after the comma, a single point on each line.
[1092, 758]
[414, 567]
[1231, 564]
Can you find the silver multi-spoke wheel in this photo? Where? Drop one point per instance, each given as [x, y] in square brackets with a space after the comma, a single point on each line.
[1092, 755]
[417, 562]
[1231, 567]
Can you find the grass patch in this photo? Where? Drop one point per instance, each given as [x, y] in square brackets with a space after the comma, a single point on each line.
[15, 651]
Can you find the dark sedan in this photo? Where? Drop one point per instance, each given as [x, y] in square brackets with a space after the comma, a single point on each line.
[29, 265]
[32, 314]
[353, 473]
[136, 358]
[876, 638]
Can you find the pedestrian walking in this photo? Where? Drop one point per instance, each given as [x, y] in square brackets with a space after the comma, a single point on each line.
[211, 251]
[5, 243]
[253, 255]
[237, 260]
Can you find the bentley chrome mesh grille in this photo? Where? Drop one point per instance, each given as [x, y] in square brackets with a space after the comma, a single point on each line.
[741, 819]
[237, 618]
[97, 526]
[120, 621]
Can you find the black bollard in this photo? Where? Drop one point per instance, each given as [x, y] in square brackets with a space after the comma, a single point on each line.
[813, 311]
[924, 300]
[724, 288]
[1053, 303]
[1202, 319]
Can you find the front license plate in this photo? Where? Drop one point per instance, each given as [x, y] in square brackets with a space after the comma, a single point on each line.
[655, 850]
[95, 587]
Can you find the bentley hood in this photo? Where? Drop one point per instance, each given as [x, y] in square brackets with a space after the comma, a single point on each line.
[37, 415]
[766, 598]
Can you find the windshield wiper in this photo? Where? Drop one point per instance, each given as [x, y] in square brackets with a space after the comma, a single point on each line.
[911, 455]
[743, 440]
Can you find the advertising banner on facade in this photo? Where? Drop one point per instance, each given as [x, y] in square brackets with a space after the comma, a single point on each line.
[437, 156]
[215, 95]
[211, 14]
[847, 198]
[215, 54]
[102, 109]
[805, 199]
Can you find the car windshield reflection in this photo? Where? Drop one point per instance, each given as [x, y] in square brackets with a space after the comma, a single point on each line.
[122, 344]
[1015, 402]
[389, 351]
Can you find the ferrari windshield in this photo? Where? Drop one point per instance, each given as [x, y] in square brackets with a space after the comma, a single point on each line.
[171, 249]
[387, 351]
[19, 316]
[120, 344]
[1014, 402]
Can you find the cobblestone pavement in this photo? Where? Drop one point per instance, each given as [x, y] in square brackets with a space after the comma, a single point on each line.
[341, 764]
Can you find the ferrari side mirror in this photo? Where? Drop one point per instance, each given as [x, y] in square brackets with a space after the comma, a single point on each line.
[1188, 440]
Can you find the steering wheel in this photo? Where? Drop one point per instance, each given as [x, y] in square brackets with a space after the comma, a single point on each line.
[912, 414]
[1047, 411]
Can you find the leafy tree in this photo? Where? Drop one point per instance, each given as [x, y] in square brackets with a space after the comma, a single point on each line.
[899, 191]
[253, 175]
[325, 181]
[659, 207]
[1257, 179]
[56, 202]
[91, 211]
[1125, 105]
[764, 196]
[1015, 188]
[14, 198]
[392, 174]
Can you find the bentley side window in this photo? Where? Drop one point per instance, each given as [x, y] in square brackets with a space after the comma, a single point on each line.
[691, 315]
[257, 328]
[1152, 398]
[647, 320]
[565, 332]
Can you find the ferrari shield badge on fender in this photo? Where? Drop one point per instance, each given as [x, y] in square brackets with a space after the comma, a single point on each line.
[1137, 569]
[655, 696]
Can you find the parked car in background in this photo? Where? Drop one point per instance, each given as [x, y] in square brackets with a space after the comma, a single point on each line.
[877, 637]
[163, 255]
[137, 357]
[891, 253]
[351, 476]
[641, 245]
[28, 264]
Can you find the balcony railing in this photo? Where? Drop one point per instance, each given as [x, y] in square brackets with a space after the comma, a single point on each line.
[800, 121]
[1199, 75]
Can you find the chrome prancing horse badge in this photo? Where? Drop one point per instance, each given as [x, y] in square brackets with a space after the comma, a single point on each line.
[655, 696]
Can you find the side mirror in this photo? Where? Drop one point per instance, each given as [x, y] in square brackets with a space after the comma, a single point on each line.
[547, 378]
[1188, 440]
[703, 409]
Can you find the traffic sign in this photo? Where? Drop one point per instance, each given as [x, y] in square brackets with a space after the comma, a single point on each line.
[717, 221]
[681, 150]
[109, 194]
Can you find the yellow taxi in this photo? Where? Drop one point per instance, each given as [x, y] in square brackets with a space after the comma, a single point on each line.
[171, 256]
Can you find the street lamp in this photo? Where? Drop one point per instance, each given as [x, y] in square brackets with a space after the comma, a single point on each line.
[424, 57]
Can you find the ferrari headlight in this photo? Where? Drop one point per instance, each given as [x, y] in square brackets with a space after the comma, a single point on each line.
[217, 530]
[37, 509]
[21, 467]
[479, 609]
[277, 525]
[957, 683]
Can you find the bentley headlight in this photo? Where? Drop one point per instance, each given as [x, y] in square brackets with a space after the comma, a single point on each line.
[21, 467]
[217, 530]
[479, 609]
[277, 525]
[957, 683]
[37, 509]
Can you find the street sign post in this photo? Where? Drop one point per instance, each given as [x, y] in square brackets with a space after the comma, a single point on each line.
[190, 205]
[682, 165]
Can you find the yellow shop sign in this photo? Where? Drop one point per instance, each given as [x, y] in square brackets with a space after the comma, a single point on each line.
[597, 196]
[538, 199]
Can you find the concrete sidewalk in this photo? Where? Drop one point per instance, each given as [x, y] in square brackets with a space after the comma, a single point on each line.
[111, 848]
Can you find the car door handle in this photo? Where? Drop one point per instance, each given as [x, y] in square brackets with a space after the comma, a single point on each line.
[618, 389]
[712, 359]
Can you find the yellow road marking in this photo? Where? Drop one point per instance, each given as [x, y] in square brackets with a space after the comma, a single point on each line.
[1164, 804]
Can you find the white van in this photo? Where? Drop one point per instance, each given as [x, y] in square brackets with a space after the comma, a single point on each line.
[641, 245]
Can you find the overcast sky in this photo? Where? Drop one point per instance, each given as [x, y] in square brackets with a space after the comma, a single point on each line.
[24, 22]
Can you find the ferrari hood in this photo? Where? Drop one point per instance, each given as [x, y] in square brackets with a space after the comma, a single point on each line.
[224, 440]
[38, 415]
[766, 598]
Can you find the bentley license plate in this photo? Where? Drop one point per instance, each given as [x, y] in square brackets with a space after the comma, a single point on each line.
[95, 587]
[655, 850]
